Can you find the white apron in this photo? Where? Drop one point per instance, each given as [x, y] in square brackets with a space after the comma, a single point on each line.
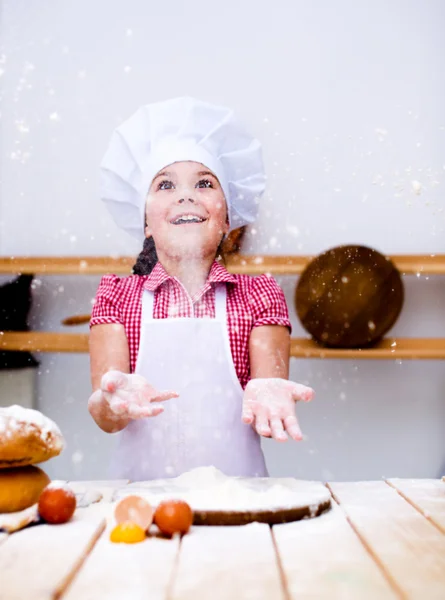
[203, 426]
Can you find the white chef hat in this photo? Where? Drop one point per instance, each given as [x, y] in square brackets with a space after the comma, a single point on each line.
[182, 129]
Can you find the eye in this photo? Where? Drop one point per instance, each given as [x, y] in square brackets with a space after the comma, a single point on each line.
[165, 185]
[204, 183]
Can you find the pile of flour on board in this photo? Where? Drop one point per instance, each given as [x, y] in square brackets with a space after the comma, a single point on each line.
[207, 488]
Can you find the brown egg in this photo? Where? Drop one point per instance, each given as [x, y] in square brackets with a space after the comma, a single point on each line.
[57, 504]
[173, 516]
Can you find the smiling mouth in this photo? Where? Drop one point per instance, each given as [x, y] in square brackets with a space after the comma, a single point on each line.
[187, 220]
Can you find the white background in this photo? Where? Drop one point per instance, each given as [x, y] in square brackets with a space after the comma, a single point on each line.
[347, 98]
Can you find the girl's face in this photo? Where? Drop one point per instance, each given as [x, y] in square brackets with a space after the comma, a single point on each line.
[186, 212]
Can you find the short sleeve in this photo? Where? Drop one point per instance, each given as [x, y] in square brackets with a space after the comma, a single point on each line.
[269, 303]
[107, 305]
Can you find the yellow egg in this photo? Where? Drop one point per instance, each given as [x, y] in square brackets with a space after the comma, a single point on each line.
[128, 533]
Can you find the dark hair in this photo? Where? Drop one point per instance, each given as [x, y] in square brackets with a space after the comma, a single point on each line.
[148, 258]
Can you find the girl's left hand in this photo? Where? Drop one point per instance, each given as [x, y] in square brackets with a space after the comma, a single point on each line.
[269, 406]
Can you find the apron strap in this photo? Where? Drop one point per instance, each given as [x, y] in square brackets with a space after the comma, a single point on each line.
[147, 305]
[220, 303]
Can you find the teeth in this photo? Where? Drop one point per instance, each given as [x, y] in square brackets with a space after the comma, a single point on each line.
[188, 219]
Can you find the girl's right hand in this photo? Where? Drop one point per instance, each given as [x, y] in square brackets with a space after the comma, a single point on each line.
[131, 396]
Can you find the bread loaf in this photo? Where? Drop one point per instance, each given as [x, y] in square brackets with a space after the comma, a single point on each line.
[21, 487]
[27, 437]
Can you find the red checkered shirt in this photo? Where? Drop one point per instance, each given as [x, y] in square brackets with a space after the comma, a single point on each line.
[251, 302]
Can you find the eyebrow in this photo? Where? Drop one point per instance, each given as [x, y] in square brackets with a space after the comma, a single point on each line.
[200, 174]
[163, 174]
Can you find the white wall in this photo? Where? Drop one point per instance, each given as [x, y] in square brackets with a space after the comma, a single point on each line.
[347, 98]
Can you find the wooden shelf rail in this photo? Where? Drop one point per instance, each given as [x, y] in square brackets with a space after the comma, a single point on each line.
[389, 348]
[408, 264]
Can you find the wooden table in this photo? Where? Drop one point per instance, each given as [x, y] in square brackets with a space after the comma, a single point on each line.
[381, 540]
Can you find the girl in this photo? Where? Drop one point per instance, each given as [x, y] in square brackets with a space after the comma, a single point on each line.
[189, 363]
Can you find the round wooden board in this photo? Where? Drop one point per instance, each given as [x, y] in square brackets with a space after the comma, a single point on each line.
[302, 499]
[349, 297]
[272, 517]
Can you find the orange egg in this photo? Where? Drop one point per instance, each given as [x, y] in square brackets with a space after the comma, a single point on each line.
[135, 509]
[173, 516]
[57, 504]
[128, 533]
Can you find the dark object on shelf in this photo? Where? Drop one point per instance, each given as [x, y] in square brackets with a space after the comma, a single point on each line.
[15, 302]
[349, 297]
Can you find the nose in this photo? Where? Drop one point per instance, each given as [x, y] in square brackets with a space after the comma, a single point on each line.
[181, 200]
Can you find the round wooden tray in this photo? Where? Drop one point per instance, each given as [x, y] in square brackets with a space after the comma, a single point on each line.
[349, 297]
[272, 517]
[302, 499]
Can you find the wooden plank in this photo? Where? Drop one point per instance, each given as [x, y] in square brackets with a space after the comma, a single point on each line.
[120, 571]
[67, 265]
[418, 264]
[324, 558]
[427, 495]
[39, 562]
[227, 562]
[408, 547]
[43, 341]
[244, 264]
[389, 349]
[408, 264]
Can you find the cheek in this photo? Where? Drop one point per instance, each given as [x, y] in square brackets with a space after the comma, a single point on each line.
[221, 215]
[216, 206]
[220, 207]
[155, 212]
